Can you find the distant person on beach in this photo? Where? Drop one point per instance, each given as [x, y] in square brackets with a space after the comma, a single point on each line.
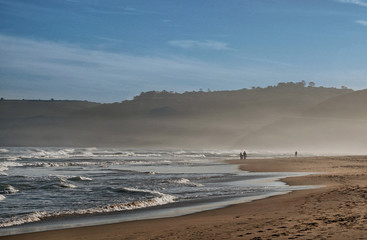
[241, 156]
[244, 155]
[295, 154]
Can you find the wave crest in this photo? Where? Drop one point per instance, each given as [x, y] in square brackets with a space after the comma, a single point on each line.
[159, 199]
[79, 178]
[186, 182]
[7, 189]
[3, 150]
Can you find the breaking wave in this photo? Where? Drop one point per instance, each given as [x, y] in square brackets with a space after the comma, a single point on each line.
[79, 178]
[3, 150]
[26, 218]
[157, 199]
[60, 183]
[7, 189]
[185, 181]
[4, 166]
[66, 185]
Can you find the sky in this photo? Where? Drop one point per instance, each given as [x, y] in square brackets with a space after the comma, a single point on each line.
[112, 50]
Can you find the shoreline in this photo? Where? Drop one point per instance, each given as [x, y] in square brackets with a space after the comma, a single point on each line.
[299, 214]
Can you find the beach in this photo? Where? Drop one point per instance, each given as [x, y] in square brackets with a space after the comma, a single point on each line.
[335, 211]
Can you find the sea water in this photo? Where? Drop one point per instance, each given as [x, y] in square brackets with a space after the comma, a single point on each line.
[44, 184]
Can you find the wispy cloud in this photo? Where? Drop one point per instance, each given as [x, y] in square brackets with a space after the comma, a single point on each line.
[112, 11]
[208, 44]
[360, 3]
[362, 22]
[49, 69]
[355, 2]
[26, 9]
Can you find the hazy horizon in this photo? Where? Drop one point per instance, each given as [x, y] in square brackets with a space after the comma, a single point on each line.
[174, 92]
[287, 117]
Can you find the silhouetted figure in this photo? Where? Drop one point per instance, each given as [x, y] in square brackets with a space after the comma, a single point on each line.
[244, 155]
[241, 156]
[295, 154]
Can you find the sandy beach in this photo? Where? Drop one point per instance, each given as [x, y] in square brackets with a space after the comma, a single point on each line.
[336, 211]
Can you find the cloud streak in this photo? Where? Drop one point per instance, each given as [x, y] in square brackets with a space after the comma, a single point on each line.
[214, 45]
[362, 22]
[355, 2]
[42, 67]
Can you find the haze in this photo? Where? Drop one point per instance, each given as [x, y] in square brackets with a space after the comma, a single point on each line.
[270, 75]
[287, 117]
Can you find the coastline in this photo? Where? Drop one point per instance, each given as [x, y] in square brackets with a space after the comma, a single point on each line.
[335, 211]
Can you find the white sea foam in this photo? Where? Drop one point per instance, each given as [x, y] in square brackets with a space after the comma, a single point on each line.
[26, 218]
[2, 197]
[3, 150]
[192, 155]
[4, 166]
[13, 158]
[60, 164]
[186, 182]
[141, 162]
[10, 164]
[7, 189]
[159, 199]
[148, 155]
[126, 189]
[65, 153]
[189, 154]
[182, 180]
[67, 185]
[52, 154]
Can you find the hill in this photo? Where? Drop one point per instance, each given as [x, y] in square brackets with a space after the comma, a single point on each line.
[349, 106]
[256, 118]
[15, 109]
[335, 125]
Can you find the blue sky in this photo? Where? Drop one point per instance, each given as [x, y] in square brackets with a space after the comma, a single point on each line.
[111, 50]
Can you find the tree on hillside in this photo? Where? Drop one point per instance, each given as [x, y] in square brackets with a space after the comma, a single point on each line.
[301, 84]
[311, 84]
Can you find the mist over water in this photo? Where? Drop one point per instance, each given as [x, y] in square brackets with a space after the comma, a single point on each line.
[56, 182]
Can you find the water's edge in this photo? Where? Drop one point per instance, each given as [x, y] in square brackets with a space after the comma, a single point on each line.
[169, 210]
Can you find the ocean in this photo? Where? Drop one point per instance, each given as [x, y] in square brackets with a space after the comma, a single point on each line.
[51, 188]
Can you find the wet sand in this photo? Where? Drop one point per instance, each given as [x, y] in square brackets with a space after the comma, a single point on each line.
[336, 211]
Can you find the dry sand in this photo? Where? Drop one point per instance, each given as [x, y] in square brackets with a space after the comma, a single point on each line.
[336, 211]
